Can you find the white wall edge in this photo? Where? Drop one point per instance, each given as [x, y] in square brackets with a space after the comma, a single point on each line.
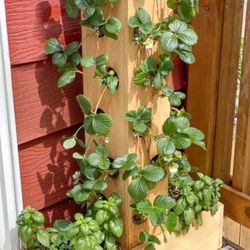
[10, 182]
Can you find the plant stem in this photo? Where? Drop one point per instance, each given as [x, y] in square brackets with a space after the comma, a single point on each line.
[87, 145]
[100, 99]
[77, 131]
[82, 73]
[96, 108]
[175, 109]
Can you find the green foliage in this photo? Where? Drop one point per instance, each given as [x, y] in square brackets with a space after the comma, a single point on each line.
[175, 98]
[140, 120]
[94, 123]
[175, 35]
[158, 211]
[187, 9]
[66, 58]
[93, 16]
[100, 158]
[127, 162]
[153, 73]
[98, 124]
[176, 162]
[91, 179]
[33, 233]
[149, 239]
[143, 179]
[194, 196]
[142, 21]
[177, 134]
[84, 104]
[179, 38]
[85, 233]
[184, 205]
[106, 76]
[101, 225]
[144, 30]
[29, 221]
[107, 214]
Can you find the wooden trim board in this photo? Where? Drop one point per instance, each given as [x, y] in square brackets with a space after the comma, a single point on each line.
[206, 237]
[10, 183]
[237, 205]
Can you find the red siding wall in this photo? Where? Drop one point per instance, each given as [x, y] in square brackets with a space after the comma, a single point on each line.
[44, 113]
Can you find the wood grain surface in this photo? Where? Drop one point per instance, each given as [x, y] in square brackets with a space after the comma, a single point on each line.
[237, 205]
[129, 97]
[231, 40]
[203, 79]
[241, 175]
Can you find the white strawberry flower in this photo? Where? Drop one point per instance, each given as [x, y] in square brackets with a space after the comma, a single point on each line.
[178, 154]
[76, 175]
[107, 139]
[173, 169]
[149, 43]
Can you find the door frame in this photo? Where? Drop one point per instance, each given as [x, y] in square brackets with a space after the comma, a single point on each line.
[10, 181]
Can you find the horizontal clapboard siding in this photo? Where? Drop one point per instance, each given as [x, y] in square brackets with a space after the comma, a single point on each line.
[63, 209]
[46, 169]
[32, 22]
[44, 113]
[42, 108]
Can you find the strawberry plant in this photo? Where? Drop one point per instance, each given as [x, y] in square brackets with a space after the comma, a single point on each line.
[93, 16]
[153, 73]
[140, 120]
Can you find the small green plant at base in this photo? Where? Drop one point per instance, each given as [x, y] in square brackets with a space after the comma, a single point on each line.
[98, 229]
[194, 196]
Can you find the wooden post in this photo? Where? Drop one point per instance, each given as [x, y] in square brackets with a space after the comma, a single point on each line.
[203, 79]
[241, 174]
[124, 57]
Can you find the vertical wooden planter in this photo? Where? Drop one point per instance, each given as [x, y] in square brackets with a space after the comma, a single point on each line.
[124, 57]
[206, 237]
